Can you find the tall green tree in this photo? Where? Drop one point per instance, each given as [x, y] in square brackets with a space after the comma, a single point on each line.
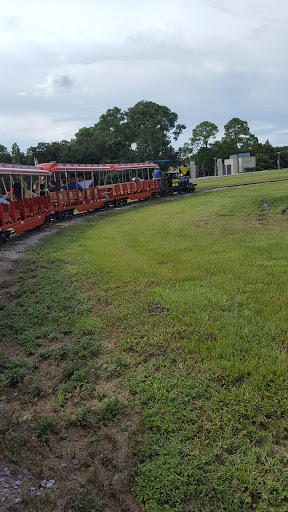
[199, 146]
[152, 127]
[202, 134]
[236, 134]
[18, 157]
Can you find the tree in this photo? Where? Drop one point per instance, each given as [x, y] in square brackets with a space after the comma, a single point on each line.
[114, 136]
[17, 156]
[58, 151]
[41, 152]
[283, 156]
[199, 146]
[143, 132]
[5, 156]
[202, 133]
[236, 134]
[83, 147]
[108, 141]
[151, 127]
[264, 162]
[204, 159]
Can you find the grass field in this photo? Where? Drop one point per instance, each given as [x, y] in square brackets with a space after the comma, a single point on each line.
[150, 346]
[241, 179]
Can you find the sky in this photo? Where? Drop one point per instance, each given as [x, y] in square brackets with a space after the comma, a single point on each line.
[65, 62]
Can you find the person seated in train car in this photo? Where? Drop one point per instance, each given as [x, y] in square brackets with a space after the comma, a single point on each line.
[43, 191]
[72, 185]
[36, 187]
[136, 178]
[53, 187]
[16, 193]
[85, 183]
[157, 174]
[6, 203]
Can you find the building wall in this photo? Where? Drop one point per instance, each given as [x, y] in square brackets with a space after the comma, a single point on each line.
[231, 166]
[247, 162]
[237, 165]
[220, 168]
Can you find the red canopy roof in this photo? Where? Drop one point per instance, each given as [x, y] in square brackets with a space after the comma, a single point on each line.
[55, 167]
[144, 165]
[25, 170]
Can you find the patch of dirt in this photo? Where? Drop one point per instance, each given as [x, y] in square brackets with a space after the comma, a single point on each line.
[17, 244]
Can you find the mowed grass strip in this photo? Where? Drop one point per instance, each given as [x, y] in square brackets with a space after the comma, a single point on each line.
[241, 179]
[188, 300]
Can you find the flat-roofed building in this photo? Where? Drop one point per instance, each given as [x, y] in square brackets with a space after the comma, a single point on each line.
[236, 163]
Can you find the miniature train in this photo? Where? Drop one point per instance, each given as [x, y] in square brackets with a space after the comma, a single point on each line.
[134, 182]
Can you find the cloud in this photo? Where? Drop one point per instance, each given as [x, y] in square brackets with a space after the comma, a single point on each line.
[213, 60]
[54, 84]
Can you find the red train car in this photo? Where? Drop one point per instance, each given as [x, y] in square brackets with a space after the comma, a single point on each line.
[102, 186]
[25, 210]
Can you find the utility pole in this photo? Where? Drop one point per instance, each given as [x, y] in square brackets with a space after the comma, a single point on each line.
[215, 165]
[278, 159]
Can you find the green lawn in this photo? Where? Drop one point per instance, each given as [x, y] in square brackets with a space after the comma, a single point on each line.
[167, 329]
[241, 179]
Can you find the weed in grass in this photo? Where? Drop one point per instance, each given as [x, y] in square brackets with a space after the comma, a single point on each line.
[80, 361]
[117, 365]
[106, 413]
[79, 377]
[15, 372]
[110, 409]
[3, 359]
[85, 503]
[45, 427]
[61, 397]
[85, 417]
[101, 394]
[33, 388]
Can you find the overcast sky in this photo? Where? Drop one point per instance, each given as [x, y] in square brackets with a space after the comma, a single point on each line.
[65, 62]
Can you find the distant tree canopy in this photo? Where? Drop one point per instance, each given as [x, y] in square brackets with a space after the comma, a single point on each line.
[202, 134]
[5, 156]
[237, 137]
[145, 132]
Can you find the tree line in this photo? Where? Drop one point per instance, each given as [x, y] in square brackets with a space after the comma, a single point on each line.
[145, 132]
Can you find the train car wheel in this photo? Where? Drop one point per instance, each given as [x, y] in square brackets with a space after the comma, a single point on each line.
[4, 237]
[47, 220]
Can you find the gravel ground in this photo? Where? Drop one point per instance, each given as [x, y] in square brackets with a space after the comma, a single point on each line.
[14, 481]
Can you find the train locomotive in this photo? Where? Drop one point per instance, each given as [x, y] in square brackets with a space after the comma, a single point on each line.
[109, 185]
[174, 182]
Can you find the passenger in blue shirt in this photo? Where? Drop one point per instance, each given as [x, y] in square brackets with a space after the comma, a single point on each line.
[157, 174]
[72, 185]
